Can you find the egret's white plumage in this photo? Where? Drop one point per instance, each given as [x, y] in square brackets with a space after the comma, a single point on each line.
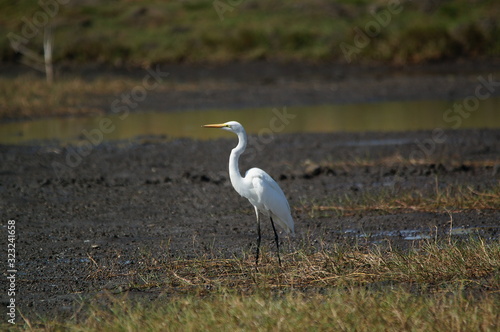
[257, 186]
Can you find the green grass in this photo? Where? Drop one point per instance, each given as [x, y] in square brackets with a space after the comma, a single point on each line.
[342, 310]
[141, 33]
[440, 286]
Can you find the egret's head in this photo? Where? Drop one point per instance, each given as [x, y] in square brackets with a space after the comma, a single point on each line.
[233, 126]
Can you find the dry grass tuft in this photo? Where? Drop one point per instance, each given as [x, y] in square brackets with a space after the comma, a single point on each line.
[431, 266]
[450, 199]
[30, 96]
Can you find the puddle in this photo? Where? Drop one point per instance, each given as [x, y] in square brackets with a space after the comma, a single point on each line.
[388, 116]
[420, 234]
[378, 142]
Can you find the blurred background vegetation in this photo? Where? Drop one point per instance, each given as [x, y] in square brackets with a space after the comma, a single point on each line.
[146, 32]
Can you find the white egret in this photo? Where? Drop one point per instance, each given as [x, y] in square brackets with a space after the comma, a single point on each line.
[258, 187]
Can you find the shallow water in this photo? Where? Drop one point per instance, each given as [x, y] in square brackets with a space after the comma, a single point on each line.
[422, 234]
[387, 116]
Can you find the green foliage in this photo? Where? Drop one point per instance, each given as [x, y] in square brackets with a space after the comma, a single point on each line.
[146, 32]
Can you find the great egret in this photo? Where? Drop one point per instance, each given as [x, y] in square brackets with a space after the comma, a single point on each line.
[258, 187]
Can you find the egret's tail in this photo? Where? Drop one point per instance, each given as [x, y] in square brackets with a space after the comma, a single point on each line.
[286, 224]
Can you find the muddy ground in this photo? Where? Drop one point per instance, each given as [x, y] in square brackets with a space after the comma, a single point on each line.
[82, 230]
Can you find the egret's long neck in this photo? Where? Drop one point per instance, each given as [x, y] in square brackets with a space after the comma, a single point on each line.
[234, 171]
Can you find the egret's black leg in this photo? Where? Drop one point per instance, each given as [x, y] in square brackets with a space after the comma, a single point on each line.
[277, 240]
[258, 242]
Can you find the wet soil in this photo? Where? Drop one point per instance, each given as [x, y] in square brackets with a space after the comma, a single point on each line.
[81, 230]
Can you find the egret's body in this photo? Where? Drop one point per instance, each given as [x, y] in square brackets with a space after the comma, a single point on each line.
[258, 187]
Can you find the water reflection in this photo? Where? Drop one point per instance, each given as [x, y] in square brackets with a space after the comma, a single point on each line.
[486, 231]
[389, 116]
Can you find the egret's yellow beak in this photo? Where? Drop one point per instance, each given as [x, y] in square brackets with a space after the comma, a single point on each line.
[217, 125]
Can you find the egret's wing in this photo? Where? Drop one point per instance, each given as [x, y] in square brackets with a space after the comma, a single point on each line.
[270, 198]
